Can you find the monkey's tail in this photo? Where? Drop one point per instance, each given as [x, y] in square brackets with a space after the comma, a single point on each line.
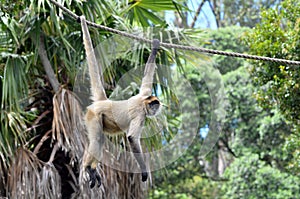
[95, 72]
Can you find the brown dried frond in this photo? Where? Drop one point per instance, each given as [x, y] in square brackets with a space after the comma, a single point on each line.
[3, 175]
[50, 186]
[67, 126]
[24, 175]
[28, 177]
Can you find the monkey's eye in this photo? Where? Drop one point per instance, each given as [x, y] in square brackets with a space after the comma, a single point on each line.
[154, 103]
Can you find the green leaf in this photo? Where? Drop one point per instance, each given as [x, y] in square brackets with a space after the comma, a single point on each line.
[155, 5]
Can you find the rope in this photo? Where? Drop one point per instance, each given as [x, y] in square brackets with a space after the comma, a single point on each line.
[182, 47]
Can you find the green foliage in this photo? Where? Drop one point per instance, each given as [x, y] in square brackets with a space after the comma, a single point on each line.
[247, 129]
[142, 11]
[242, 113]
[244, 13]
[278, 36]
[255, 129]
[227, 39]
[292, 147]
[193, 188]
[251, 178]
[261, 131]
[185, 178]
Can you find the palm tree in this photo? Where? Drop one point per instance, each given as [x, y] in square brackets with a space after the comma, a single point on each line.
[42, 136]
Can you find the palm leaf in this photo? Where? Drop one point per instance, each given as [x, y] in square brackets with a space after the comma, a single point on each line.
[145, 11]
[162, 5]
[30, 178]
[67, 122]
[50, 182]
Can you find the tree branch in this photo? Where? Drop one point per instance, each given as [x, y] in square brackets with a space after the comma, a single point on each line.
[197, 14]
[228, 148]
[46, 63]
[213, 9]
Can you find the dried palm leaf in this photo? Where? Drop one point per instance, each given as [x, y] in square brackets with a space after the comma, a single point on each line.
[50, 185]
[28, 177]
[2, 178]
[67, 125]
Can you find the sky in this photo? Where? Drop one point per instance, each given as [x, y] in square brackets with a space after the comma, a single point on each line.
[205, 19]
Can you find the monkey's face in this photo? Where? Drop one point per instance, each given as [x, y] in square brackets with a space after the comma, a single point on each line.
[152, 106]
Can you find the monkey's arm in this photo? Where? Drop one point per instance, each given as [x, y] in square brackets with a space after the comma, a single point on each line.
[133, 136]
[147, 81]
[95, 72]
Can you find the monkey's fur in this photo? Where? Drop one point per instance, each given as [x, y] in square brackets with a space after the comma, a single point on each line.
[112, 117]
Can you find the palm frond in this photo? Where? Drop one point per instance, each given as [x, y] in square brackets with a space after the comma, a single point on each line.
[146, 12]
[68, 122]
[49, 186]
[5, 44]
[13, 117]
[3, 176]
[14, 84]
[28, 177]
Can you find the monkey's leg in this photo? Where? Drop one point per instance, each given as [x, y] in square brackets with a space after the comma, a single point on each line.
[96, 142]
[136, 149]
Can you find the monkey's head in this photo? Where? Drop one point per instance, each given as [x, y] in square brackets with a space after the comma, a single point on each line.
[152, 106]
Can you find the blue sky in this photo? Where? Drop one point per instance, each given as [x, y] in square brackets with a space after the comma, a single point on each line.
[205, 19]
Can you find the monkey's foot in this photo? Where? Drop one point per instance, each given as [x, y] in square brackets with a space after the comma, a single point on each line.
[94, 176]
[144, 176]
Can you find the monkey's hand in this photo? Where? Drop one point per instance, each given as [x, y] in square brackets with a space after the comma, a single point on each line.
[94, 176]
[144, 176]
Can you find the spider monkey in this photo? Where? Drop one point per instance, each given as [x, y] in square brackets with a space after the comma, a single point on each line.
[131, 113]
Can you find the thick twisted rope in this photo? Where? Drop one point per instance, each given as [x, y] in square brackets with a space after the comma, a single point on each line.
[169, 45]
